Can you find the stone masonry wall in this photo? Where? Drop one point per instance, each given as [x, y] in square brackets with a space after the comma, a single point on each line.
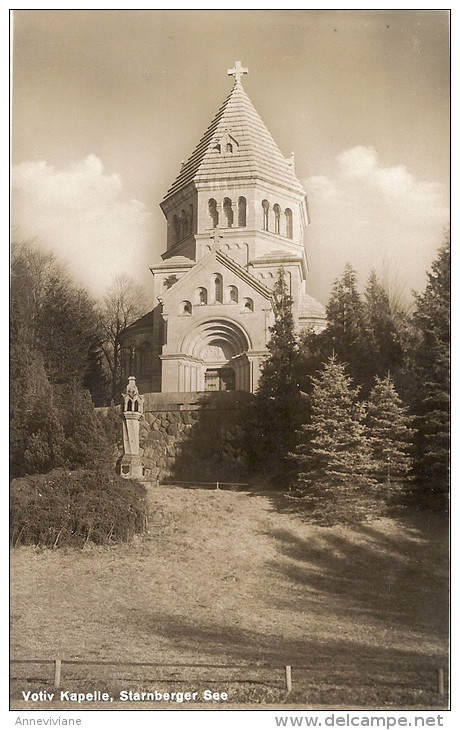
[160, 437]
[189, 441]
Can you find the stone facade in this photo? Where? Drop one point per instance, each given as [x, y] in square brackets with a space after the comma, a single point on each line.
[236, 214]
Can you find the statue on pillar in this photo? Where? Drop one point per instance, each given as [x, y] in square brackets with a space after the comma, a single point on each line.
[131, 466]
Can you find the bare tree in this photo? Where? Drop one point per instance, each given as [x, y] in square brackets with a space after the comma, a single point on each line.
[400, 300]
[124, 302]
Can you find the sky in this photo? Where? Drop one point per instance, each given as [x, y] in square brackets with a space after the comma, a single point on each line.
[107, 103]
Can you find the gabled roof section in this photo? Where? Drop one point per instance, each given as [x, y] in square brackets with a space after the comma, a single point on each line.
[226, 261]
[255, 154]
[243, 274]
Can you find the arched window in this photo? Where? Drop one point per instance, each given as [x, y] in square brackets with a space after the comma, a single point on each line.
[241, 211]
[213, 213]
[277, 211]
[248, 305]
[190, 220]
[186, 307]
[228, 212]
[229, 147]
[218, 287]
[202, 295]
[232, 294]
[288, 214]
[176, 228]
[182, 224]
[265, 207]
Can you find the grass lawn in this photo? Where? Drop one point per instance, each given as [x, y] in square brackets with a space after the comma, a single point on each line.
[231, 577]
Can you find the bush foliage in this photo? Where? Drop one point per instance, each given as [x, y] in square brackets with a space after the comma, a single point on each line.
[65, 508]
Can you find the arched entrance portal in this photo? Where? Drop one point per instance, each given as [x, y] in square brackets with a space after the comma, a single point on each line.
[217, 359]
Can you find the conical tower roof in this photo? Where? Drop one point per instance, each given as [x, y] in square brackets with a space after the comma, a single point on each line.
[255, 155]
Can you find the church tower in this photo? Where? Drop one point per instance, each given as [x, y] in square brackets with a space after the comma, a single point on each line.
[235, 214]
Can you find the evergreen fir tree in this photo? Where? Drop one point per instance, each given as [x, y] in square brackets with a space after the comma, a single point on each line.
[431, 396]
[277, 411]
[345, 334]
[383, 337]
[333, 456]
[45, 439]
[389, 435]
[312, 352]
[87, 443]
[277, 377]
[66, 330]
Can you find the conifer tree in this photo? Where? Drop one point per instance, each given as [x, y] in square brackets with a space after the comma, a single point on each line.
[54, 356]
[389, 435]
[345, 334]
[45, 443]
[333, 456]
[277, 380]
[87, 443]
[383, 337]
[68, 336]
[431, 397]
[277, 411]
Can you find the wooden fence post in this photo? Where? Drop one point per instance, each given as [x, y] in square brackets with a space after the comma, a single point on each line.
[288, 677]
[440, 678]
[57, 672]
[217, 485]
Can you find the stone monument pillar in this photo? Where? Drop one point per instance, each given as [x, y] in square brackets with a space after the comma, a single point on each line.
[131, 466]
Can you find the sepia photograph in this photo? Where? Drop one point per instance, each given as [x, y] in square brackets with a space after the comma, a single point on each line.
[230, 365]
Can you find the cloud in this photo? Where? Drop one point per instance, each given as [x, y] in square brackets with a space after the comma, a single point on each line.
[81, 214]
[395, 186]
[321, 187]
[366, 212]
[357, 162]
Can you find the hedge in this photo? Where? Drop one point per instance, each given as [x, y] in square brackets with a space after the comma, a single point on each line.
[74, 507]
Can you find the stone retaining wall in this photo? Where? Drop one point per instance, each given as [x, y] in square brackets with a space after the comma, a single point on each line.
[193, 438]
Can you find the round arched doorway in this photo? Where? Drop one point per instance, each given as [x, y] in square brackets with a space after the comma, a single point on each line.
[216, 351]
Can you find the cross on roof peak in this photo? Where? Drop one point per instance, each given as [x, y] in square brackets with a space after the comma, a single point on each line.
[237, 72]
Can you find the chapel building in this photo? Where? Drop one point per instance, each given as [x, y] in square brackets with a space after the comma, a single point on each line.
[236, 214]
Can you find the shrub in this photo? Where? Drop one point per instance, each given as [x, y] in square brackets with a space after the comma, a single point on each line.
[73, 507]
